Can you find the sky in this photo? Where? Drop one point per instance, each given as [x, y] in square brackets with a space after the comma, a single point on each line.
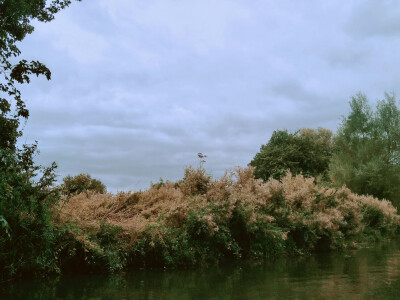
[140, 87]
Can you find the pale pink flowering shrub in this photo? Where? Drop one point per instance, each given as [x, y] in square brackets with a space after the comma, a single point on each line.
[199, 219]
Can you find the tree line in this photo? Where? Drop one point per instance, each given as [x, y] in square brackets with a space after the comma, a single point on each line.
[364, 154]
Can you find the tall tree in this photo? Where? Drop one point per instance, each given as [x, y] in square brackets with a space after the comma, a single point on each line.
[367, 155]
[26, 235]
[306, 151]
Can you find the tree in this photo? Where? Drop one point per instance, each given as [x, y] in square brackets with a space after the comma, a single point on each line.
[306, 151]
[26, 190]
[81, 183]
[367, 149]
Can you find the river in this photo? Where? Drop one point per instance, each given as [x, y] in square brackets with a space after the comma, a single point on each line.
[367, 273]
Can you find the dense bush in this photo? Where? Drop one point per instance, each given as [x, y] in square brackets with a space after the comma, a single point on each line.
[306, 151]
[81, 183]
[26, 234]
[235, 217]
[194, 182]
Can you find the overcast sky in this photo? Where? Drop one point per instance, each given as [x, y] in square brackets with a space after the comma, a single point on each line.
[140, 87]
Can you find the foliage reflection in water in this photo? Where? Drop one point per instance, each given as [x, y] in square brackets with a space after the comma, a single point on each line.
[363, 274]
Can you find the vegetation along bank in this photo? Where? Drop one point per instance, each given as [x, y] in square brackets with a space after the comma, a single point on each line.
[297, 196]
[201, 221]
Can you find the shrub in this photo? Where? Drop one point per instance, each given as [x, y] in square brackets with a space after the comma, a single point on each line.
[26, 234]
[195, 182]
[306, 151]
[237, 216]
[82, 183]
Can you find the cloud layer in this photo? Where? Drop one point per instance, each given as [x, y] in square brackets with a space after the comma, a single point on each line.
[139, 88]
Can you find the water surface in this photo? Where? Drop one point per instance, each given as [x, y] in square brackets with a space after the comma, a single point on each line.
[368, 273]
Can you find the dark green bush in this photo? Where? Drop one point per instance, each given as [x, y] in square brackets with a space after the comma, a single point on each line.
[27, 236]
[306, 151]
[82, 183]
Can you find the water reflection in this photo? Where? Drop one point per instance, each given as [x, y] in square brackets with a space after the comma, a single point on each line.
[363, 274]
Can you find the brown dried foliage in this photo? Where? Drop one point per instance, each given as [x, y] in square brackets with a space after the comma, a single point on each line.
[293, 202]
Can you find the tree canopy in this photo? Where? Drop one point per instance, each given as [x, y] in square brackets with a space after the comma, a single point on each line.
[81, 183]
[306, 151]
[367, 152]
[26, 190]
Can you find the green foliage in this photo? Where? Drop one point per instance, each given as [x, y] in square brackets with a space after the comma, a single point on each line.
[4, 227]
[24, 211]
[159, 246]
[158, 184]
[26, 190]
[257, 238]
[81, 183]
[367, 155]
[16, 17]
[206, 237]
[306, 151]
[101, 249]
[111, 254]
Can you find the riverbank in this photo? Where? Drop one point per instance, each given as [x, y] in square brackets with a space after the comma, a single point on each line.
[200, 221]
[366, 273]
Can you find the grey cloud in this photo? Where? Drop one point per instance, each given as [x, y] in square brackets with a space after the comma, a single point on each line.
[294, 90]
[375, 18]
[349, 57]
[137, 91]
[311, 108]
